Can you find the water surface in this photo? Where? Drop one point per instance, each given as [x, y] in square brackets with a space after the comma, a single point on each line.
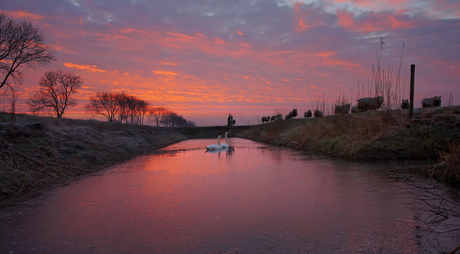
[251, 198]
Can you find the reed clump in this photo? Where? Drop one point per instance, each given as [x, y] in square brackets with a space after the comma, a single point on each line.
[448, 167]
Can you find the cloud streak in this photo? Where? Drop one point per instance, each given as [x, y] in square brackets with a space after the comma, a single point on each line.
[248, 58]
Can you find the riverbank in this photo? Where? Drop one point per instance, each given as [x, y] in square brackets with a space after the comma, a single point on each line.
[432, 135]
[39, 152]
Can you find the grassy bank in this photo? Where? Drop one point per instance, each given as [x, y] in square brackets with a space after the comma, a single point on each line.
[37, 152]
[432, 135]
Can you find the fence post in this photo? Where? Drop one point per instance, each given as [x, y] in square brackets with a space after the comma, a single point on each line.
[412, 81]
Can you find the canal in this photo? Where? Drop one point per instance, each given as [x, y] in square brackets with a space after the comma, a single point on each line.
[250, 198]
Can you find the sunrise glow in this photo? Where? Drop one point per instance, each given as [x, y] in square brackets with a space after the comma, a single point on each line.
[205, 59]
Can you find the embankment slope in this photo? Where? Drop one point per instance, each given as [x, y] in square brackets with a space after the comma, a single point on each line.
[432, 135]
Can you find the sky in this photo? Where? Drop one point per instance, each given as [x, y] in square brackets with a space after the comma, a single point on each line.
[205, 59]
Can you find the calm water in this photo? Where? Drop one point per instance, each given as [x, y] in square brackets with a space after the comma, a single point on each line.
[252, 199]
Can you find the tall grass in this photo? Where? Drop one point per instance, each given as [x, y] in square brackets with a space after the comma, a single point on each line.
[321, 102]
[342, 99]
[382, 82]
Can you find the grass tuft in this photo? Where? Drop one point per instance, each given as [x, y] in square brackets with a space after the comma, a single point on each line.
[448, 168]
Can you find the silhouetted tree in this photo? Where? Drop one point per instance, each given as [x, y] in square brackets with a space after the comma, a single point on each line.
[137, 109]
[122, 100]
[157, 114]
[21, 44]
[56, 92]
[131, 109]
[172, 119]
[120, 107]
[105, 104]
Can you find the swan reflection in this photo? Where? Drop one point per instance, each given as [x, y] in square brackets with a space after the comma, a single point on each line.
[228, 151]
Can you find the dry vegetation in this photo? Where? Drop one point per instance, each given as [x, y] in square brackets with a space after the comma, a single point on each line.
[433, 135]
[36, 152]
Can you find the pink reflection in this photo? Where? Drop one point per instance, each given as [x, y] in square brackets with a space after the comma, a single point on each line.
[254, 199]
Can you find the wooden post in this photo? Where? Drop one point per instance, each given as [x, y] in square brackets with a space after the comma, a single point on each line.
[412, 81]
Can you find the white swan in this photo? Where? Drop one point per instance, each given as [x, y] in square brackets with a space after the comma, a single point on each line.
[215, 147]
[225, 145]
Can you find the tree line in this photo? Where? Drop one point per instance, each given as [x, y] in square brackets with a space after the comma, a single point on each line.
[22, 45]
[124, 108]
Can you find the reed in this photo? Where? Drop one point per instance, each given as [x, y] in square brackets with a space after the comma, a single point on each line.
[381, 82]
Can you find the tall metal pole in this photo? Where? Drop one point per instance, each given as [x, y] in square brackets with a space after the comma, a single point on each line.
[412, 81]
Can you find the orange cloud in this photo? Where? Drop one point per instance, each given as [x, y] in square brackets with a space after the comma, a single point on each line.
[169, 63]
[220, 41]
[194, 79]
[168, 73]
[85, 67]
[182, 37]
[325, 54]
[285, 80]
[23, 14]
[314, 87]
[239, 32]
[275, 53]
[131, 30]
[348, 65]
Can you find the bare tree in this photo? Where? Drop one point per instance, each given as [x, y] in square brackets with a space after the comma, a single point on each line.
[105, 104]
[126, 108]
[56, 92]
[122, 101]
[131, 109]
[21, 44]
[157, 114]
[172, 119]
[137, 109]
[168, 119]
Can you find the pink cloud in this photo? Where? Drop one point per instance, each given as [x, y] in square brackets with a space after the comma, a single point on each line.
[23, 14]
[85, 67]
[169, 63]
[317, 88]
[220, 41]
[372, 22]
[304, 19]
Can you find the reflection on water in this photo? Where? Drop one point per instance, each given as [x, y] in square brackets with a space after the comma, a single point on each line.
[250, 198]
